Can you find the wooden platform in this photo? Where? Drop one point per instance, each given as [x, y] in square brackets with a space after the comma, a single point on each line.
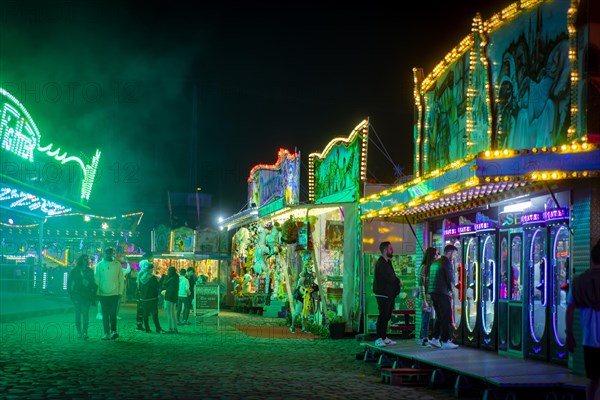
[405, 376]
[489, 367]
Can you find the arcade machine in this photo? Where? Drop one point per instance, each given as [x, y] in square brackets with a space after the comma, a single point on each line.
[488, 287]
[470, 289]
[510, 294]
[537, 284]
[451, 236]
[557, 221]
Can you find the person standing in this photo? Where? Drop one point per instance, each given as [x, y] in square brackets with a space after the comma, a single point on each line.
[193, 279]
[171, 288]
[584, 295]
[123, 295]
[109, 278]
[429, 257]
[148, 289]
[82, 289]
[302, 297]
[386, 286]
[183, 293]
[441, 277]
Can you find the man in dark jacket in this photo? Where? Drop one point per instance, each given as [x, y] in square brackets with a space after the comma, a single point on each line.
[584, 295]
[441, 278]
[148, 290]
[386, 286]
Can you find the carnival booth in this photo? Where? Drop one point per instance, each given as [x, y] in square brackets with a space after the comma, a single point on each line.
[204, 250]
[337, 177]
[400, 235]
[39, 181]
[263, 250]
[277, 238]
[506, 164]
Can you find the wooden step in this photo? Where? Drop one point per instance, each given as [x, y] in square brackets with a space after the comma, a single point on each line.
[405, 376]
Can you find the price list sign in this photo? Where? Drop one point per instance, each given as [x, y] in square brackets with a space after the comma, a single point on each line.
[207, 299]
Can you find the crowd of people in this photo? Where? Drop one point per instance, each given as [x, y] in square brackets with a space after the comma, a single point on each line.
[104, 285]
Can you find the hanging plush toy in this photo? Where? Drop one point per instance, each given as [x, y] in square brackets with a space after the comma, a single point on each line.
[289, 231]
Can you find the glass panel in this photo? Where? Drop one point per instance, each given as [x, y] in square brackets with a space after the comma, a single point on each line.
[488, 286]
[502, 326]
[516, 328]
[456, 290]
[515, 268]
[562, 254]
[471, 283]
[537, 288]
[504, 269]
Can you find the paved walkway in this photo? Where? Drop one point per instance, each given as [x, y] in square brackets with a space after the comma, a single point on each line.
[40, 357]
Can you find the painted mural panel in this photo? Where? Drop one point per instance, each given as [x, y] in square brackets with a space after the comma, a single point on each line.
[280, 180]
[339, 172]
[445, 116]
[531, 75]
[479, 139]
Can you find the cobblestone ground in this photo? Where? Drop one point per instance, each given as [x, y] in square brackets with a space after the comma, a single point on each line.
[41, 357]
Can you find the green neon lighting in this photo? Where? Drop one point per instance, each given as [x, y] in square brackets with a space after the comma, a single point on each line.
[20, 136]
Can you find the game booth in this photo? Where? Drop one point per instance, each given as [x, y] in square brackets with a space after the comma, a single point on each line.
[276, 238]
[204, 250]
[506, 165]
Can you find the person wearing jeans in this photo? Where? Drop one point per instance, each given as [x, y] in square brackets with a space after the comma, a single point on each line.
[171, 288]
[441, 277]
[182, 299]
[386, 286]
[429, 257]
[109, 279]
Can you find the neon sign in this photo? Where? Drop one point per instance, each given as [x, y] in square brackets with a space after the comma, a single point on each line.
[19, 199]
[451, 232]
[531, 218]
[20, 136]
[463, 229]
[485, 226]
[555, 214]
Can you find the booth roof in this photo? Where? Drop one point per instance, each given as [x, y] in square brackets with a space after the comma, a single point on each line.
[490, 177]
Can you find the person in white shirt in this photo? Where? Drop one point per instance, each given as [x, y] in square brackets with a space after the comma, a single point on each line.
[184, 292]
[109, 278]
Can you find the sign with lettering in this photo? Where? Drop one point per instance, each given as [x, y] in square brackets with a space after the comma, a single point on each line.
[26, 159]
[207, 299]
[451, 232]
[485, 226]
[556, 214]
[464, 229]
[531, 218]
[17, 199]
[510, 218]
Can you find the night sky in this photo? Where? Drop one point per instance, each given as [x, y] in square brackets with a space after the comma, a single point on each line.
[121, 77]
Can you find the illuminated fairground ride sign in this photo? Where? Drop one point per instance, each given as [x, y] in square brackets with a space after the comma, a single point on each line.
[18, 199]
[20, 140]
[281, 180]
[335, 174]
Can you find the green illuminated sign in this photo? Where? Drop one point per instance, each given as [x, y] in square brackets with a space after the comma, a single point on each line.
[20, 136]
